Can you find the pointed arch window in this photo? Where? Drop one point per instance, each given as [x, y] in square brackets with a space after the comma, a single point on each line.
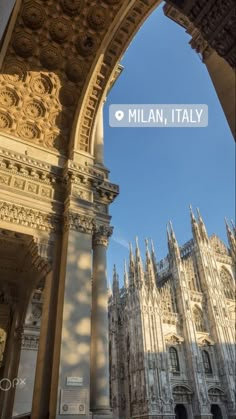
[206, 362]
[174, 359]
[199, 320]
[227, 284]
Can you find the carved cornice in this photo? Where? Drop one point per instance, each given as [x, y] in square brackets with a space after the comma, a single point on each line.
[16, 162]
[28, 217]
[24, 175]
[78, 222]
[82, 177]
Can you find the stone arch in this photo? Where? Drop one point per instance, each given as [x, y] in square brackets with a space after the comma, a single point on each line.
[216, 394]
[199, 319]
[174, 359]
[182, 393]
[207, 363]
[71, 70]
[227, 283]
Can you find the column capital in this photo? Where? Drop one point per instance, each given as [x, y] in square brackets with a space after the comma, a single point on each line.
[101, 235]
[79, 222]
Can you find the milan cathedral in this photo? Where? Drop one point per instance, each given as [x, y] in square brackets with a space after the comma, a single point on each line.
[172, 328]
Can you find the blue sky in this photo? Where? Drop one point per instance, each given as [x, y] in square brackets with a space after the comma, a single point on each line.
[162, 170]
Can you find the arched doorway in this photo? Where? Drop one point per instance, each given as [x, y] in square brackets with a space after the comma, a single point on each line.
[180, 412]
[216, 411]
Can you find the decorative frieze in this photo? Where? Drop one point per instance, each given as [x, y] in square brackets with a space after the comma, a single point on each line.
[28, 217]
[82, 223]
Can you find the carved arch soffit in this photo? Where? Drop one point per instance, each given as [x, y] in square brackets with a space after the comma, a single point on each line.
[216, 394]
[179, 389]
[173, 339]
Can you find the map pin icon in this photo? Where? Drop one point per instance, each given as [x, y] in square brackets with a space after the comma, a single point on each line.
[119, 115]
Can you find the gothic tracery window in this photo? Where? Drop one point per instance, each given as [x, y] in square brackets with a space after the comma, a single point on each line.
[174, 359]
[226, 281]
[206, 362]
[199, 319]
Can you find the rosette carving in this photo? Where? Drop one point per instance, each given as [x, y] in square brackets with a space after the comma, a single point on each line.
[86, 44]
[98, 17]
[71, 7]
[59, 30]
[29, 131]
[35, 109]
[33, 16]
[41, 84]
[50, 57]
[66, 96]
[23, 45]
[5, 120]
[8, 97]
[14, 72]
[74, 71]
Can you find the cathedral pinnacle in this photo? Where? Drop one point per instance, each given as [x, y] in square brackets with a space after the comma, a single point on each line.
[115, 285]
[138, 261]
[231, 238]
[150, 269]
[202, 227]
[172, 242]
[195, 228]
[126, 279]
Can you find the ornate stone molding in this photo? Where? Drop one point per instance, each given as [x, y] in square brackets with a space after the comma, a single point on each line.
[205, 341]
[30, 342]
[102, 234]
[85, 179]
[70, 30]
[173, 339]
[28, 217]
[78, 222]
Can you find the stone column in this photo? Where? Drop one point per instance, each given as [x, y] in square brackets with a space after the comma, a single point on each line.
[9, 382]
[223, 79]
[71, 358]
[99, 373]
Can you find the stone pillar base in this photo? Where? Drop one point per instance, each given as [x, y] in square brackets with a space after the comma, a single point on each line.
[204, 416]
[102, 414]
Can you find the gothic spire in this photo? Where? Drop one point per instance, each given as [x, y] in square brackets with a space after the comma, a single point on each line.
[126, 279]
[115, 285]
[172, 242]
[150, 273]
[233, 226]
[109, 289]
[154, 259]
[202, 227]
[131, 265]
[194, 224]
[172, 233]
[231, 238]
[148, 256]
[138, 261]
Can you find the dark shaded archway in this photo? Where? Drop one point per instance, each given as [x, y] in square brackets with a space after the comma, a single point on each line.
[216, 411]
[180, 412]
